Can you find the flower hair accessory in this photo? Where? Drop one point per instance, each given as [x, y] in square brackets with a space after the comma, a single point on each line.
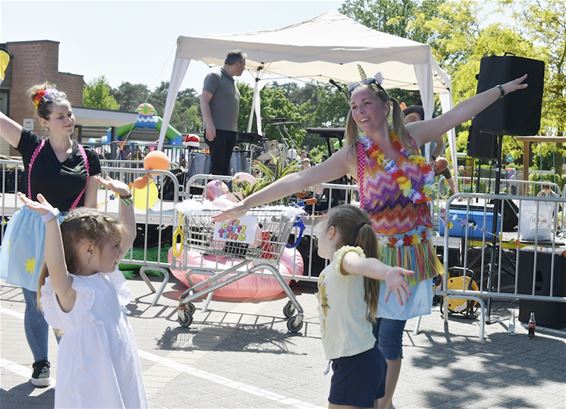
[46, 95]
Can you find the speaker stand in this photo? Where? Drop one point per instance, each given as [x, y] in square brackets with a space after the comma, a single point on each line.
[493, 267]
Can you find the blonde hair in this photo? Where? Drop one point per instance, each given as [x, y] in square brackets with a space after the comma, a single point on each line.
[352, 133]
[354, 227]
[83, 224]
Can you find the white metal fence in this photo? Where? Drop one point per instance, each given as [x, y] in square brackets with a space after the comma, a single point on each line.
[504, 265]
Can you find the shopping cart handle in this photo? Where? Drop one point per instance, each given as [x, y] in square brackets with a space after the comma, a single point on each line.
[298, 223]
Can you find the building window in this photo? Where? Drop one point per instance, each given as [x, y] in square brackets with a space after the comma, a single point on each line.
[4, 99]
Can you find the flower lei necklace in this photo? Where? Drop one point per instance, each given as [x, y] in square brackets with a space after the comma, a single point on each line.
[393, 168]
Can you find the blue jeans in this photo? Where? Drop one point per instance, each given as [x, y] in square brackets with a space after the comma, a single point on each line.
[36, 328]
[389, 336]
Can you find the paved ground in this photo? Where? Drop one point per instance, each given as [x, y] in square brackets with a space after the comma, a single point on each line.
[240, 355]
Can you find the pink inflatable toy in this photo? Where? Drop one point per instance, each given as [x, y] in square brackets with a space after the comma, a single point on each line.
[252, 287]
[239, 182]
[243, 177]
[215, 188]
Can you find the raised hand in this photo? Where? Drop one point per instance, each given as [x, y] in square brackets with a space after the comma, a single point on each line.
[118, 187]
[42, 206]
[396, 283]
[515, 85]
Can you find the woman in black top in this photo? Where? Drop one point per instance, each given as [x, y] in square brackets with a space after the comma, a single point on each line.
[61, 170]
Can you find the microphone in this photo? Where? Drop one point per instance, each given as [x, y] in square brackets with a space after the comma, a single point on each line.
[335, 84]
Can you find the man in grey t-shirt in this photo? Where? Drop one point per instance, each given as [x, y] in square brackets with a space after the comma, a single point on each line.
[220, 106]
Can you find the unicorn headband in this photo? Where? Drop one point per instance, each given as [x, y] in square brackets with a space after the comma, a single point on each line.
[47, 95]
[374, 82]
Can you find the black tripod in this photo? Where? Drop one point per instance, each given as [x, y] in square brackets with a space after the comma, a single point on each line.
[497, 205]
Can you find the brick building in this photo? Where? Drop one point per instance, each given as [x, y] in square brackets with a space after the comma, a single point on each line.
[33, 62]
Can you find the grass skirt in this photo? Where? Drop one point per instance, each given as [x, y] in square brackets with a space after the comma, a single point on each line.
[420, 258]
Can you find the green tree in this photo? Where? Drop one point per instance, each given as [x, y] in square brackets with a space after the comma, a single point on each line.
[544, 21]
[450, 28]
[129, 95]
[275, 108]
[185, 117]
[97, 95]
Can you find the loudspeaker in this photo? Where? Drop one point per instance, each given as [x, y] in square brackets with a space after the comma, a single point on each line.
[481, 145]
[510, 215]
[519, 112]
[547, 314]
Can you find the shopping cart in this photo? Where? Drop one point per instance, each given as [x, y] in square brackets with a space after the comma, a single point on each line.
[257, 239]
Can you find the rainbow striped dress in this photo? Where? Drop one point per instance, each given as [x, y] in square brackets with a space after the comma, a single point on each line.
[403, 228]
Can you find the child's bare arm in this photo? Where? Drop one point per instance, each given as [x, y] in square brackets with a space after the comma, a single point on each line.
[127, 216]
[60, 279]
[352, 263]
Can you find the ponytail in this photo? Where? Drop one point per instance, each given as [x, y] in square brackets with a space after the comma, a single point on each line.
[351, 133]
[398, 119]
[367, 241]
[345, 218]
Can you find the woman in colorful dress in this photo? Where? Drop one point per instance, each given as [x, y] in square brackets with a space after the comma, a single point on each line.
[395, 184]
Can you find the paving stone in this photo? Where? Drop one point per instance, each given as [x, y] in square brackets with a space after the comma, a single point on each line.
[234, 349]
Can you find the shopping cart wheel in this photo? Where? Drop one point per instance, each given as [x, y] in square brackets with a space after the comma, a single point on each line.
[191, 308]
[289, 309]
[185, 319]
[295, 324]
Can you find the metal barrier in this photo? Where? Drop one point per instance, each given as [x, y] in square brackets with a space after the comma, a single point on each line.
[150, 223]
[510, 186]
[11, 181]
[477, 242]
[493, 261]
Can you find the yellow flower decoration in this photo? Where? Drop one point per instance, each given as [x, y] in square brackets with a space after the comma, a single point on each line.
[30, 265]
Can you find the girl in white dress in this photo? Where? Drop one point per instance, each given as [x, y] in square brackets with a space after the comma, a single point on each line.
[84, 294]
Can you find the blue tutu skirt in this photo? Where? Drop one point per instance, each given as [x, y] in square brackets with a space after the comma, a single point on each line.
[22, 250]
[419, 303]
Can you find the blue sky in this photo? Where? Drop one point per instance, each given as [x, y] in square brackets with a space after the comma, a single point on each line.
[135, 41]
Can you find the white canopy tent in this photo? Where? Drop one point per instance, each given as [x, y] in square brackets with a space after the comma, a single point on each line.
[326, 47]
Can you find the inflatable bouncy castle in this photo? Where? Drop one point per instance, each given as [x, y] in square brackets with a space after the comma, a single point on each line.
[148, 119]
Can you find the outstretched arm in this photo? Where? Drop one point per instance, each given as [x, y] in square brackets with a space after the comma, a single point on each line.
[333, 168]
[61, 281]
[426, 131]
[127, 216]
[10, 130]
[372, 268]
[91, 193]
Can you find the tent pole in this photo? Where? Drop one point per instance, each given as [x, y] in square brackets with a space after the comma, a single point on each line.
[256, 92]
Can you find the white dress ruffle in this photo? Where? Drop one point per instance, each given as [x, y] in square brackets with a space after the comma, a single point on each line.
[97, 364]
